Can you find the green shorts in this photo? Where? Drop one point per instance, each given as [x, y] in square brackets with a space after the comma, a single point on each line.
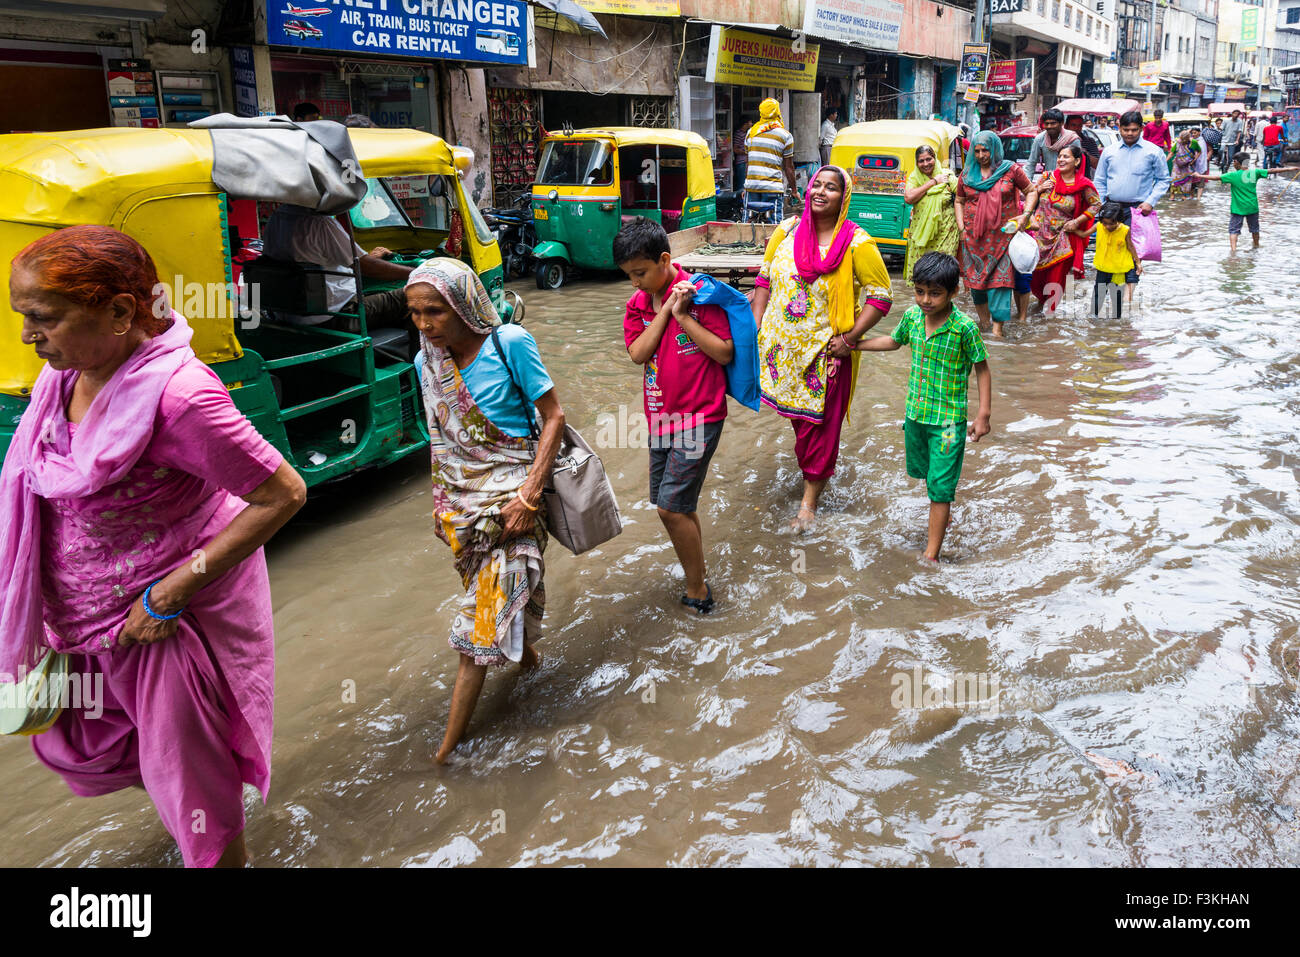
[934, 453]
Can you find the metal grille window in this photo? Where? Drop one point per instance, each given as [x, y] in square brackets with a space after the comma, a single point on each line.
[651, 111]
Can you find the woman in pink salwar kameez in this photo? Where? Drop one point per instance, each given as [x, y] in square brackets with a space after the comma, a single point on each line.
[125, 544]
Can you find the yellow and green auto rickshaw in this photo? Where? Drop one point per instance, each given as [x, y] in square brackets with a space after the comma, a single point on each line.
[331, 401]
[880, 155]
[590, 181]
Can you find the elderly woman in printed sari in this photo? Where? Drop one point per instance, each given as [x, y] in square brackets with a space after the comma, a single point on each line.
[134, 504]
[488, 475]
[1184, 157]
[806, 306]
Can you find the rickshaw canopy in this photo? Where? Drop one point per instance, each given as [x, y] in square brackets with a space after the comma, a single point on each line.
[1111, 107]
[699, 162]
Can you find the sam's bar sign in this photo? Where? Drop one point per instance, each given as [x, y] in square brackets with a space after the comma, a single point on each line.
[754, 59]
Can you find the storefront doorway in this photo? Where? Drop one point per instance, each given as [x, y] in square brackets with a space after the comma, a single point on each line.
[391, 95]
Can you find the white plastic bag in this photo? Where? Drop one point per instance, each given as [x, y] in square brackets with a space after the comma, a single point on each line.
[1024, 252]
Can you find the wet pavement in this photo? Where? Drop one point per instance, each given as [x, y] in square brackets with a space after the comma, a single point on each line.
[1118, 594]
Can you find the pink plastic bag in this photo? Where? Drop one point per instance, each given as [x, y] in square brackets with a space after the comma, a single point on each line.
[1145, 232]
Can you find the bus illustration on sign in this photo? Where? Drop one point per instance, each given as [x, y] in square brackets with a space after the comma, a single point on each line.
[500, 42]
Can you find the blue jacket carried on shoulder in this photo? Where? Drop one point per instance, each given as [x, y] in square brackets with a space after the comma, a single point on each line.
[742, 371]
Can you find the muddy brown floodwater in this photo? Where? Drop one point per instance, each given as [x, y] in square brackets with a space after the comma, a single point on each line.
[1119, 591]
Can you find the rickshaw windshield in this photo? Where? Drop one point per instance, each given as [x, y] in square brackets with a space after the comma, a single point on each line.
[576, 163]
[403, 201]
[1017, 148]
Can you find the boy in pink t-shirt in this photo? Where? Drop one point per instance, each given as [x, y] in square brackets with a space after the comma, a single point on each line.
[684, 348]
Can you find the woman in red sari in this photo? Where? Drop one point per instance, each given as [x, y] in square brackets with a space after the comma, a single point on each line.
[1067, 205]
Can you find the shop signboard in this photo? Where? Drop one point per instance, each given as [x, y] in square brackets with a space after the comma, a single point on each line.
[972, 94]
[1236, 96]
[244, 78]
[875, 24]
[1006, 6]
[1249, 29]
[1220, 93]
[1096, 91]
[1149, 74]
[743, 58]
[476, 31]
[1189, 86]
[1011, 77]
[974, 64]
[635, 8]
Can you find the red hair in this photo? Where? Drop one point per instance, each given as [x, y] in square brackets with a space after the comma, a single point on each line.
[90, 265]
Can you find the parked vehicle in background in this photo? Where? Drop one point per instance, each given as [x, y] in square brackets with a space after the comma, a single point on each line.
[879, 156]
[590, 181]
[516, 235]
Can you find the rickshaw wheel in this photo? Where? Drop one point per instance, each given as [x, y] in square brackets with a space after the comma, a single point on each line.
[551, 273]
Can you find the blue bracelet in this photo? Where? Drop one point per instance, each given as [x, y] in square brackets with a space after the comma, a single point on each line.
[149, 609]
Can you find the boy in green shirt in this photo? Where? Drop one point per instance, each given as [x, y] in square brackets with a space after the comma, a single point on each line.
[1245, 199]
[945, 345]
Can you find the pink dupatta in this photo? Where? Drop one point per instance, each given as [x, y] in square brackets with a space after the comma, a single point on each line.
[107, 444]
[808, 258]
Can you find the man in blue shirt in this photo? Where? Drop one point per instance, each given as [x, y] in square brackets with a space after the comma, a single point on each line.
[1132, 172]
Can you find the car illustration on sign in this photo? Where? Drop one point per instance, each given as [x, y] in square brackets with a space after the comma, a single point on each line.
[301, 30]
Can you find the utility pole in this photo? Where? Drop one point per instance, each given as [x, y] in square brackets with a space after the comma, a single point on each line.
[1262, 56]
[1153, 51]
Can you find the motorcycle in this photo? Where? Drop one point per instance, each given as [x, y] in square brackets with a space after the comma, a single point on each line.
[516, 235]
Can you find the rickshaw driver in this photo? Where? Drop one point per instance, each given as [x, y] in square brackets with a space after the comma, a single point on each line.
[302, 235]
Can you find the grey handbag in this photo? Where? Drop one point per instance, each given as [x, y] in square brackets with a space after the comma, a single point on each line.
[581, 511]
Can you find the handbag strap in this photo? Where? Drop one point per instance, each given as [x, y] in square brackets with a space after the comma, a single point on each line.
[530, 412]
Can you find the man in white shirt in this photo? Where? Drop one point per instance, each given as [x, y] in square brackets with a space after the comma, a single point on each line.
[301, 235]
[827, 138]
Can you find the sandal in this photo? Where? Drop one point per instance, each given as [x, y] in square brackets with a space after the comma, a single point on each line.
[702, 605]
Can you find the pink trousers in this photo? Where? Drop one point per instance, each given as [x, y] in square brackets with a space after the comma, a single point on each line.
[165, 724]
[817, 445]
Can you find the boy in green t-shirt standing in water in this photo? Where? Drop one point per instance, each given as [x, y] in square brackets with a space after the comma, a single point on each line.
[946, 345]
[1245, 199]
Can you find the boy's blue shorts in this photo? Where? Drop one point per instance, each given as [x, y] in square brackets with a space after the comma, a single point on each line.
[1023, 281]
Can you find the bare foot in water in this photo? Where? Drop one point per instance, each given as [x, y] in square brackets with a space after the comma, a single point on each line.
[804, 520]
[997, 330]
[531, 659]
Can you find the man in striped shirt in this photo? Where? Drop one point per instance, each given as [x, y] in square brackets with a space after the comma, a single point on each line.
[771, 159]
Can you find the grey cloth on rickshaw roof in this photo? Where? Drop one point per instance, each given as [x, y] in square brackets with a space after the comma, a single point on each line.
[274, 159]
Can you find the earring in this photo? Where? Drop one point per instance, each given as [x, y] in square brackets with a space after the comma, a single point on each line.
[123, 332]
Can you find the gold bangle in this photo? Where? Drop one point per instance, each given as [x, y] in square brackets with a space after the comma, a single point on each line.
[520, 495]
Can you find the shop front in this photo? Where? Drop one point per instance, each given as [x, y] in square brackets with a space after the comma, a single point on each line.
[88, 65]
[627, 78]
[389, 94]
[397, 68]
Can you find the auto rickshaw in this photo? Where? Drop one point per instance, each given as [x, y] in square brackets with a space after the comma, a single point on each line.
[589, 182]
[330, 401]
[880, 155]
[1187, 120]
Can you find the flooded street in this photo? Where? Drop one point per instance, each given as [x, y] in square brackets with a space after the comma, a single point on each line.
[1120, 579]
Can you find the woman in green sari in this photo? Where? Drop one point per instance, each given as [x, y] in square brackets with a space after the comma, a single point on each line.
[936, 223]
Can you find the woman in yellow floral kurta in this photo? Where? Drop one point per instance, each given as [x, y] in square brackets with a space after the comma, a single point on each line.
[806, 304]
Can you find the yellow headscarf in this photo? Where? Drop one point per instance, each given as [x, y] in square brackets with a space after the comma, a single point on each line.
[769, 113]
